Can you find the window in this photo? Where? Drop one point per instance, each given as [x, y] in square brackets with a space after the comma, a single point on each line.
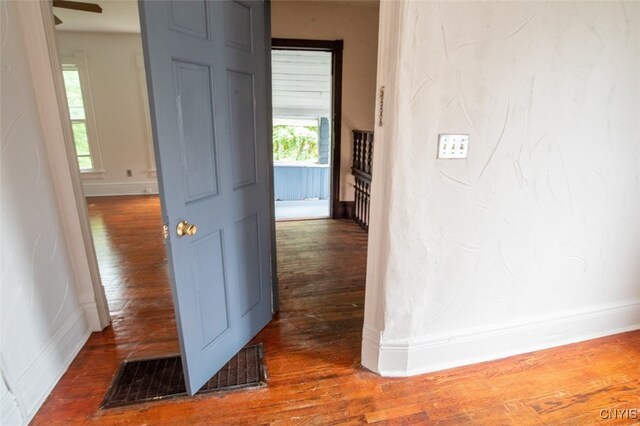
[85, 138]
[78, 116]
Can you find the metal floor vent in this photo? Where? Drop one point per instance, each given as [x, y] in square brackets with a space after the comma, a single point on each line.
[154, 379]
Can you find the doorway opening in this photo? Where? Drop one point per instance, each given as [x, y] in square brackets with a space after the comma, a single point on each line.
[306, 109]
[105, 86]
[301, 133]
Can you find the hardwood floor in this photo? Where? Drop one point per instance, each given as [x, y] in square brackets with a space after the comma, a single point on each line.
[313, 347]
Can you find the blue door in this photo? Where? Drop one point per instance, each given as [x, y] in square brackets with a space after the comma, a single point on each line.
[207, 63]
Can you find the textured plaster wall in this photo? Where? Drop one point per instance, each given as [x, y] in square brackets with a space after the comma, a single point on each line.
[542, 220]
[355, 22]
[42, 324]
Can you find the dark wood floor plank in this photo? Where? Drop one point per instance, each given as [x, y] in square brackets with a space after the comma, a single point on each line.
[312, 347]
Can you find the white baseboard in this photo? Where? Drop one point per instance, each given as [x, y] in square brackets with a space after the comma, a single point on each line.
[470, 347]
[99, 189]
[9, 410]
[35, 384]
[370, 351]
[92, 316]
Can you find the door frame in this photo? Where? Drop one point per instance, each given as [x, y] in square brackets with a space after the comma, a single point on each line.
[335, 47]
[44, 62]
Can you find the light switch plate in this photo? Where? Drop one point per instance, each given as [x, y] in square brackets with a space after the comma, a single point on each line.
[453, 146]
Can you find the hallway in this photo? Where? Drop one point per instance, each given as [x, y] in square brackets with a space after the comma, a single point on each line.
[312, 347]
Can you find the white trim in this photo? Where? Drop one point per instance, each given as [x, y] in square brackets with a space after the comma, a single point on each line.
[144, 102]
[92, 174]
[122, 188]
[9, 410]
[37, 21]
[370, 356]
[487, 344]
[377, 249]
[38, 380]
[79, 60]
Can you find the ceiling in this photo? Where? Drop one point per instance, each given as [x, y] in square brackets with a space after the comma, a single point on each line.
[118, 16]
[301, 84]
[121, 16]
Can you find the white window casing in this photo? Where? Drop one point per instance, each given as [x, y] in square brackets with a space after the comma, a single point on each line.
[79, 61]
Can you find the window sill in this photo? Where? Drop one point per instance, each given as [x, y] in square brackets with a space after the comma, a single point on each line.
[92, 174]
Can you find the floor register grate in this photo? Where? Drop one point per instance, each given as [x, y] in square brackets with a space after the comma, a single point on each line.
[154, 379]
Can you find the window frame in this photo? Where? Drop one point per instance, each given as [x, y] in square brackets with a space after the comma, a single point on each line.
[78, 61]
[144, 102]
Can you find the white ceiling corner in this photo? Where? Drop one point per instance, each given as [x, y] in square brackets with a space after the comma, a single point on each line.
[118, 16]
[121, 16]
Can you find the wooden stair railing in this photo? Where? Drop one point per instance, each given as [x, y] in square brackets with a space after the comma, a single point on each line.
[361, 170]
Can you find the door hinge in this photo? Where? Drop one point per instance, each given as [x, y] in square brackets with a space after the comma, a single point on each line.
[165, 231]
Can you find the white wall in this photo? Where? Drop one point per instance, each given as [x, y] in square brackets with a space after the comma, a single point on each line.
[119, 98]
[534, 240]
[42, 323]
[357, 24]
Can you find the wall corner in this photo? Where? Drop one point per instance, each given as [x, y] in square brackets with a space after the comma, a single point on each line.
[43, 59]
[371, 349]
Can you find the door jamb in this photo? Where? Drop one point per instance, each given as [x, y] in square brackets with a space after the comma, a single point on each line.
[61, 153]
[335, 47]
[275, 290]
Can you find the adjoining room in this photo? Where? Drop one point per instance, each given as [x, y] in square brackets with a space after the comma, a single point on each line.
[302, 133]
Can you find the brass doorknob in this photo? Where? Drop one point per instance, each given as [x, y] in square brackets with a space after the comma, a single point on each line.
[186, 228]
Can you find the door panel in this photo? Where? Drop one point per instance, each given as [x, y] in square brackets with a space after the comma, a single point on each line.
[237, 25]
[190, 17]
[211, 287]
[206, 71]
[241, 95]
[248, 243]
[197, 139]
